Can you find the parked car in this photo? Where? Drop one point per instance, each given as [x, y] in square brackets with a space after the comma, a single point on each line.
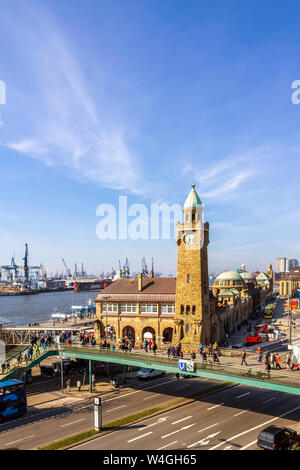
[275, 438]
[147, 374]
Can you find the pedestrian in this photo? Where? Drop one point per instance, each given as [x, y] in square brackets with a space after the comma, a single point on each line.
[68, 384]
[154, 347]
[267, 355]
[3, 367]
[37, 350]
[272, 358]
[204, 356]
[180, 354]
[288, 362]
[146, 345]
[193, 356]
[169, 352]
[244, 358]
[201, 349]
[277, 361]
[215, 357]
[177, 376]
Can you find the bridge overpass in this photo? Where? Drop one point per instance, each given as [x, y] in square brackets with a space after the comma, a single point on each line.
[280, 380]
[22, 335]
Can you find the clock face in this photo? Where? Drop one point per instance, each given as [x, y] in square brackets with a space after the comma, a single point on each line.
[189, 238]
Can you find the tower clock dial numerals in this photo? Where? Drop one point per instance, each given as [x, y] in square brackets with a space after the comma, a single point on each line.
[189, 238]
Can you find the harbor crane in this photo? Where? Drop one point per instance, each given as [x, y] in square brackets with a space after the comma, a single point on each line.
[43, 271]
[68, 271]
[145, 271]
[125, 271]
[26, 267]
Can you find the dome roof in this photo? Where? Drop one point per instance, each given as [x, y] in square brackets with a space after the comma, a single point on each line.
[230, 276]
[246, 275]
[193, 200]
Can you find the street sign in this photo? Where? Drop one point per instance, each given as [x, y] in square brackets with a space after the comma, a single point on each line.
[98, 414]
[187, 365]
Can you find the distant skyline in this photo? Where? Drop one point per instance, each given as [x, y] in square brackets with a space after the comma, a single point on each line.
[143, 99]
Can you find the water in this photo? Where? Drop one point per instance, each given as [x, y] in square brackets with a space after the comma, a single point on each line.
[25, 309]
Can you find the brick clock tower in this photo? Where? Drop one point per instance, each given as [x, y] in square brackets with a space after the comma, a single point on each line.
[192, 313]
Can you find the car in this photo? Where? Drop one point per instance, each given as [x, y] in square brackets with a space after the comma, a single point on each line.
[147, 374]
[275, 438]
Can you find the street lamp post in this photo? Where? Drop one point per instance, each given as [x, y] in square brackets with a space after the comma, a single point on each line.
[290, 309]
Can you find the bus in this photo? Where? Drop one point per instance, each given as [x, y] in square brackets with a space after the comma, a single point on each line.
[13, 401]
[269, 309]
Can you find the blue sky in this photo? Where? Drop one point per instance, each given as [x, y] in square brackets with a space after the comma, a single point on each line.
[144, 98]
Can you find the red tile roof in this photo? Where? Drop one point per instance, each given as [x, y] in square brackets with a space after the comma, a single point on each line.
[161, 287]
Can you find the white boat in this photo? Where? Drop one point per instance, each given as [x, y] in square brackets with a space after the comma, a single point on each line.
[60, 316]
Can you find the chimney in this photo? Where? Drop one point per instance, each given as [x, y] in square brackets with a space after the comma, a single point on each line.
[139, 282]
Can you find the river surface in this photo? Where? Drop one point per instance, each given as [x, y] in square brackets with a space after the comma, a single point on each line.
[25, 309]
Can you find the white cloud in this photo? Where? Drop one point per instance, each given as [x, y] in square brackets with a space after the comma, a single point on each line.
[232, 175]
[65, 126]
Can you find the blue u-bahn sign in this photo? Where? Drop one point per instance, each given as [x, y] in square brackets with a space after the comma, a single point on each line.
[189, 366]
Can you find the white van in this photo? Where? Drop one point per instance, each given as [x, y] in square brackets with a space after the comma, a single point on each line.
[147, 374]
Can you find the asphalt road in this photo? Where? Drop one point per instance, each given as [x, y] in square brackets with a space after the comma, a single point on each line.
[70, 415]
[227, 420]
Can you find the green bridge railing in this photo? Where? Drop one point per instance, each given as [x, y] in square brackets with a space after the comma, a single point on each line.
[281, 380]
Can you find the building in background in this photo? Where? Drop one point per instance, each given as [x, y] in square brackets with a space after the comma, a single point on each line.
[290, 283]
[282, 265]
[293, 263]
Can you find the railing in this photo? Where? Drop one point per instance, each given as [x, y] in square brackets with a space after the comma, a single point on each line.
[281, 377]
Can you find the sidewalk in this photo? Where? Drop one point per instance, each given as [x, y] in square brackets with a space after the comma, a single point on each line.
[102, 388]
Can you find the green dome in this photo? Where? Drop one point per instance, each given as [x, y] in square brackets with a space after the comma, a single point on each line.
[230, 276]
[193, 200]
[246, 276]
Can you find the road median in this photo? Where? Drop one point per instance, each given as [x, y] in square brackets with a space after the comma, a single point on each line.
[80, 438]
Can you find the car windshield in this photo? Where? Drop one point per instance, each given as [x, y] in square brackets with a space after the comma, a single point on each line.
[144, 369]
[266, 436]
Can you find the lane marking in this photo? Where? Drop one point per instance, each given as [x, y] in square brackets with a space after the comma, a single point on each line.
[13, 442]
[208, 427]
[216, 406]
[244, 394]
[69, 424]
[187, 385]
[167, 445]
[204, 441]
[139, 437]
[178, 430]
[270, 399]
[249, 445]
[255, 427]
[141, 390]
[161, 420]
[156, 395]
[237, 414]
[117, 408]
[183, 419]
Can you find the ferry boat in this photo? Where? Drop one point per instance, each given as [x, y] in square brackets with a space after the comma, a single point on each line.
[60, 316]
[76, 311]
[89, 309]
